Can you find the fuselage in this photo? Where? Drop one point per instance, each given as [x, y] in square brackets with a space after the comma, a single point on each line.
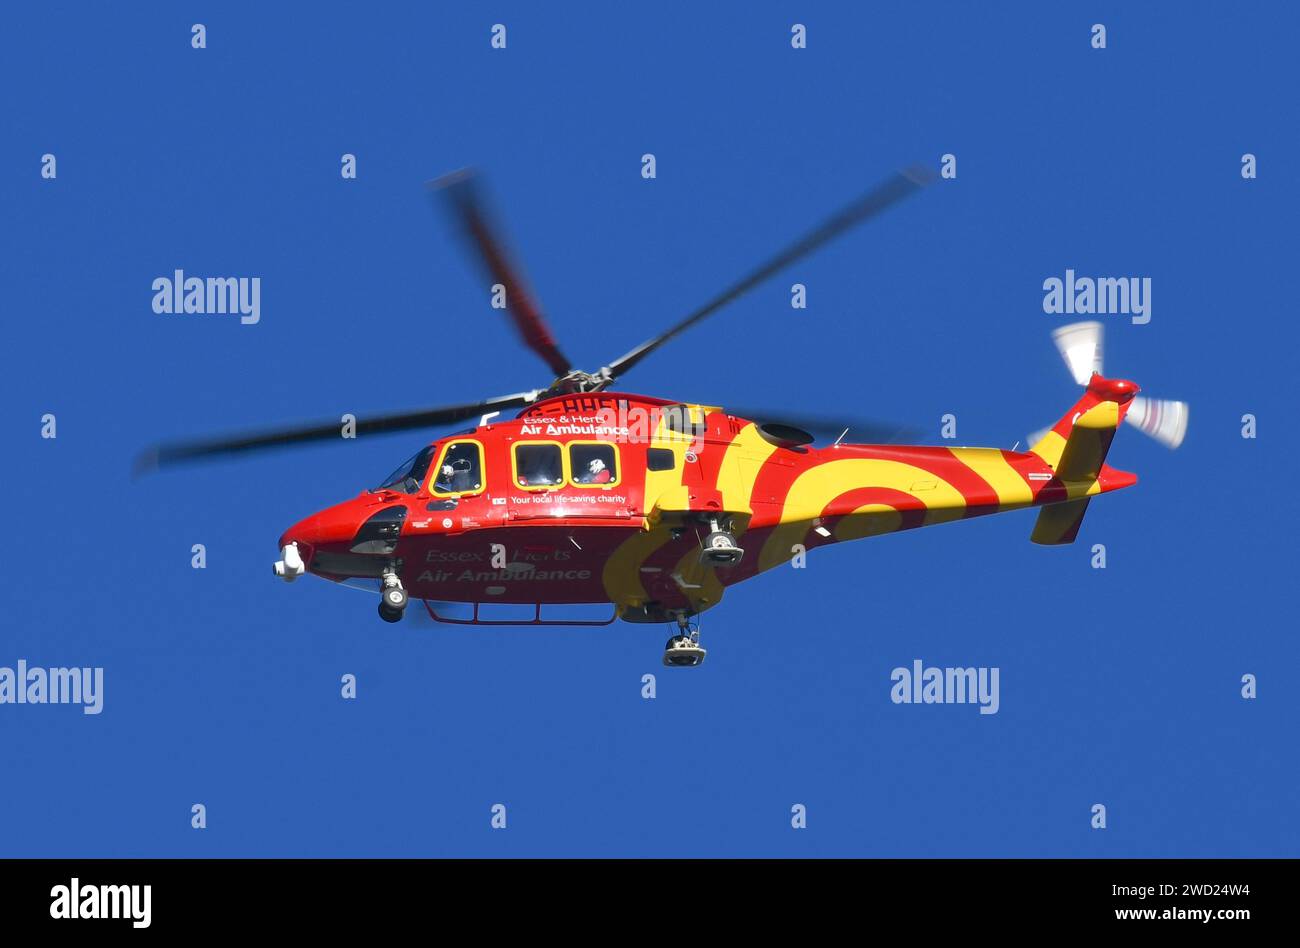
[605, 498]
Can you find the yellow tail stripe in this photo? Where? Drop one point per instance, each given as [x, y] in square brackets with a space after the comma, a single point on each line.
[817, 487]
[992, 466]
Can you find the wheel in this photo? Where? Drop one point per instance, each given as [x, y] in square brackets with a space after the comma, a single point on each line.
[682, 651]
[720, 541]
[390, 615]
[395, 598]
[720, 549]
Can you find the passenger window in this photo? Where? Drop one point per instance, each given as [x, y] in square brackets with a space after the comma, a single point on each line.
[461, 469]
[660, 459]
[538, 465]
[593, 464]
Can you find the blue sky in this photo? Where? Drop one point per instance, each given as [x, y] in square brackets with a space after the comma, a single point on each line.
[1118, 686]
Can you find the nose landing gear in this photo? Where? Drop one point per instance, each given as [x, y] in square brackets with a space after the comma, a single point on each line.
[392, 599]
[683, 650]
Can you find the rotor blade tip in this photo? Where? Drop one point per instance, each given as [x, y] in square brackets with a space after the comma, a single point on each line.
[450, 179]
[919, 174]
[146, 463]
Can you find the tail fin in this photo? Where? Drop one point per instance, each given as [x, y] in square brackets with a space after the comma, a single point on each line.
[1080, 345]
[1075, 447]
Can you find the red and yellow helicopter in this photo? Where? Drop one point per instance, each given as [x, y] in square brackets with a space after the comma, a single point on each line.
[653, 506]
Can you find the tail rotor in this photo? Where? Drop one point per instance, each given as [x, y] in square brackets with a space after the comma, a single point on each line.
[1166, 421]
[1080, 345]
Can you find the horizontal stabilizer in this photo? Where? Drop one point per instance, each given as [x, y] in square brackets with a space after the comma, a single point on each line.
[1059, 523]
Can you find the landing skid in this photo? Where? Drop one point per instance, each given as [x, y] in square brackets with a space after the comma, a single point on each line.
[536, 620]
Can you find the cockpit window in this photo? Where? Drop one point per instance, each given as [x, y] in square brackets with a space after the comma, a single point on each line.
[461, 469]
[408, 478]
[538, 465]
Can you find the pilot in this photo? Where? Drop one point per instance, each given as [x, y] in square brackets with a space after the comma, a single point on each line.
[444, 479]
[596, 473]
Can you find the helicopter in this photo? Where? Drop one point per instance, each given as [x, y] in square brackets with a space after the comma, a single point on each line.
[655, 507]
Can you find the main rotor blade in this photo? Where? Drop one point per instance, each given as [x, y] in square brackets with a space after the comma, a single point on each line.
[462, 193]
[173, 453]
[853, 430]
[891, 191]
